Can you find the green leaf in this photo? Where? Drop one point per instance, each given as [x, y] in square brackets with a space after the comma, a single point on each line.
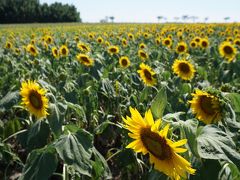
[100, 166]
[190, 129]
[38, 135]
[78, 110]
[75, 150]
[56, 118]
[159, 103]
[41, 164]
[234, 101]
[9, 100]
[213, 143]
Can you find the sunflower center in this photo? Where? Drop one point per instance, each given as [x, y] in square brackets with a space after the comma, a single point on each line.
[167, 42]
[206, 105]
[181, 48]
[184, 68]
[155, 144]
[32, 50]
[64, 51]
[142, 54]
[228, 50]
[124, 62]
[35, 100]
[55, 51]
[85, 59]
[204, 44]
[113, 50]
[147, 74]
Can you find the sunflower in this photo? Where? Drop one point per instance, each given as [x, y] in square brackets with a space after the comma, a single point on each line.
[163, 152]
[147, 75]
[193, 44]
[142, 54]
[130, 36]
[34, 98]
[49, 39]
[204, 43]
[124, 62]
[184, 69]
[124, 42]
[8, 45]
[142, 46]
[181, 47]
[237, 42]
[113, 50]
[83, 47]
[100, 40]
[227, 51]
[167, 42]
[84, 59]
[32, 50]
[64, 51]
[205, 106]
[55, 52]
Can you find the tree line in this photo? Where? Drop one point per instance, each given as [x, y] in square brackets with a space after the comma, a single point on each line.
[29, 11]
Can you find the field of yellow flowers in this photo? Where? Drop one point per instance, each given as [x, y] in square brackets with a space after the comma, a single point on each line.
[120, 101]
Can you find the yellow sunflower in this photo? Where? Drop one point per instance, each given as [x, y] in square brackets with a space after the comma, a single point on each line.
[142, 54]
[204, 43]
[147, 75]
[48, 39]
[237, 42]
[55, 52]
[64, 50]
[193, 44]
[205, 106]
[34, 98]
[124, 62]
[163, 152]
[8, 45]
[84, 59]
[83, 47]
[32, 50]
[181, 47]
[227, 51]
[124, 42]
[113, 50]
[100, 40]
[167, 42]
[184, 69]
[142, 46]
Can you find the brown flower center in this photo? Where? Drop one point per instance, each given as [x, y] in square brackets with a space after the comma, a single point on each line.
[32, 50]
[35, 100]
[113, 50]
[124, 62]
[85, 59]
[228, 49]
[206, 105]
[167, 42]
[204, 44]
[155, 144]
[143, 55]
[184, 68]
[181, 48]
[64, 51]
[147, 74]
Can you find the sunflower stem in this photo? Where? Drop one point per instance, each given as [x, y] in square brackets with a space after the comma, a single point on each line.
[19, 132]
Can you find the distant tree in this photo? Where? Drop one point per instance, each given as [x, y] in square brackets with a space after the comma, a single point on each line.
[159, 18]
[206, 19]
[185, 17]
[27, 11]
[112, 18]
[226, 19]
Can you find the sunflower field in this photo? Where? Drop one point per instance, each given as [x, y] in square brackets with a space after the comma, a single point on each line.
[120, 101]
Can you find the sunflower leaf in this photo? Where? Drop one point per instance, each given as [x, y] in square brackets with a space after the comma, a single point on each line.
[159, 103]
[213, 143]
[75, 149]
[37, 162]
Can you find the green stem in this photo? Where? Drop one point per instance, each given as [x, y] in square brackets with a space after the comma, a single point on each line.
[19, 132]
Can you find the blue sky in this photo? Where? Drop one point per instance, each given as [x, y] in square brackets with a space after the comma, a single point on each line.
[148, 10]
